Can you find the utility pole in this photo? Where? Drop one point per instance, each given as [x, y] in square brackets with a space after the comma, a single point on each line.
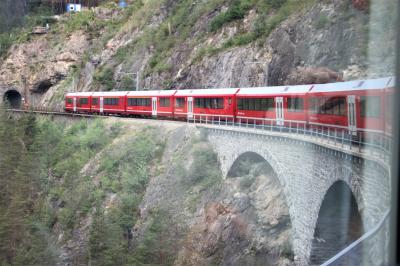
[137, 80]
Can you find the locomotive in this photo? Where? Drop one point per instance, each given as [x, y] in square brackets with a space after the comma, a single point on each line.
[352, 106]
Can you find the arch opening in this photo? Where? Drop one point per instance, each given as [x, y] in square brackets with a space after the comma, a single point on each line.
[13, 98]
[244, 164]
[255, 178]
[339, 224]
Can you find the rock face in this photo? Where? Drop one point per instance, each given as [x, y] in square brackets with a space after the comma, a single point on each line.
[329, 35]
[43, 62]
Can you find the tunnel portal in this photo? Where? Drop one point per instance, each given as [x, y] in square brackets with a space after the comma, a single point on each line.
[12, 98]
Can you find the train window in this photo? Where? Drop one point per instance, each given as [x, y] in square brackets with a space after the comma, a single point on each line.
[139, 101]
[243, 104]
[251, 104]
[370, 106]
[295, 104]
[164, 102]
[313, 105]
[208, 102]
[111, 101]
[211, 103]
[83, 100]
[267, 104]
[69, 100]
[328, 106]
[197, 103]
[342, 106]
[95, 101]
[257, 104]
[179, 102]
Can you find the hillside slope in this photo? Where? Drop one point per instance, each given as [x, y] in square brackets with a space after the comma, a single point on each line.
[194, 44]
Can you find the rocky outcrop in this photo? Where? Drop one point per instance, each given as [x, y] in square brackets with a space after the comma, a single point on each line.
[320, 75]
[42, 63]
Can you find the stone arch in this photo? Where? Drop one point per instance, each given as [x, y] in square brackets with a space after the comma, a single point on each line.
[276, 201]
[339, 223]
[13, 98]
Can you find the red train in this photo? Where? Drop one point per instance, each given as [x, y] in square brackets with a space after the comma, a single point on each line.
[355, 106]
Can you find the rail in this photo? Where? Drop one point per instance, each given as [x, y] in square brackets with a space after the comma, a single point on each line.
[367, 141]
[50, 112]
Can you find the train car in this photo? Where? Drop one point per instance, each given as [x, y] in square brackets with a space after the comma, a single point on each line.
[280, 105]
[111, 102]
[78, 102]
[151, 103]
[354, 106]
[207, 104]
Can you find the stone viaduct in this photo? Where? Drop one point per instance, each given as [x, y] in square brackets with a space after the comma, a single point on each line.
[311, 172]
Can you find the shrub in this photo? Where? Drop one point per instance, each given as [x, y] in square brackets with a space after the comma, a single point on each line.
[235, 12]
[205, 166]
[79, 21]
[105, 77]
[322, 22]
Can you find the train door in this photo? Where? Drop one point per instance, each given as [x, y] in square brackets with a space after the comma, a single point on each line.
[101, 104]
[190, 108]
[154, 106]
[279, 111]
[74, 102]
[351, 113]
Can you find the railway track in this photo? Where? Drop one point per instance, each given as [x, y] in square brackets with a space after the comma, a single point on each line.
[57, 113]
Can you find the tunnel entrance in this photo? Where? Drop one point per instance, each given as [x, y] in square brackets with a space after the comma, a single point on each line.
[339, 224]
[13, 98]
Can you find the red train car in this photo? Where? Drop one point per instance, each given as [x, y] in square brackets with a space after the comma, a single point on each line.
[205, 103]
[280, 105]
[354, 105]
[112, 102]
[78, 102]
[151, 103]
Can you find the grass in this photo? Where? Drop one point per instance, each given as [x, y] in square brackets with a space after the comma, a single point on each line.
[236, 11]
[322, 22]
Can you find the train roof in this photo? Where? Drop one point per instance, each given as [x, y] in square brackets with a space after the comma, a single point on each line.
[110, 93]
[206, 92]
[275, 90]
[79, 94]
[355, 85]
[152, 93]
